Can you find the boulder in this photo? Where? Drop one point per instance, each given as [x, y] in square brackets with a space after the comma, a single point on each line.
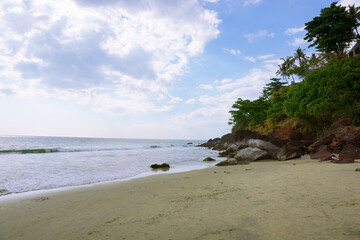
[293, 149]
[156, 166]
[322, 155]
[227, 162]
[209, 159]
[348, 154]
[264, 145]
[251, 154]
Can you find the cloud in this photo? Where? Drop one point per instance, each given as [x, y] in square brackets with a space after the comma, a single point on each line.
[250, 2]
[95, 50]
[205, 86]
[252, 37]
[292, 31]
[298, 42]
[215, 107]
[234, 52]
[263, 57]
[190, 101]
[251, 59]
[350, 2]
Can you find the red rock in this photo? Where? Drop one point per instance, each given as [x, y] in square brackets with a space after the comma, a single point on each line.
[348, 154]
[323, 154]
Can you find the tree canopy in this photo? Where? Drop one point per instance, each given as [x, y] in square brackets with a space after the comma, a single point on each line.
[334, 29]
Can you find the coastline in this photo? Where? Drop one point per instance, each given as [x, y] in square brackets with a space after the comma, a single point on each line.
[296, 199]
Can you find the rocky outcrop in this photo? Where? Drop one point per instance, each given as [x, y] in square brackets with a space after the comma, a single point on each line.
[324, 154]
[271, 149]
[341, 138]
[209, 159]
[227, 162]
[291, 141]
[157, 166]
[251, 154]
[348, 154]
[291, 150]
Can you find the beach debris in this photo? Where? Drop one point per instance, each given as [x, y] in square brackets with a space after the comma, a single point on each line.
[357, 170]
[209, 159]
[248, 169]
[163, 165]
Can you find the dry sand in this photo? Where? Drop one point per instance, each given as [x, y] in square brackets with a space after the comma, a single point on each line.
[292, 200]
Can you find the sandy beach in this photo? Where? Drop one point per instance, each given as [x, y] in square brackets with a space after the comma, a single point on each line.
[298, 199]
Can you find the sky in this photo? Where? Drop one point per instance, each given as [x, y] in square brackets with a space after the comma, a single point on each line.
[141, 69]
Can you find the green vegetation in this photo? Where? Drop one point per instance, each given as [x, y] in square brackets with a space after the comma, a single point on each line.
[334, 29]
[330, 87]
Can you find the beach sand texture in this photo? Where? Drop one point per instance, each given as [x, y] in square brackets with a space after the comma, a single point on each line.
[298, 199]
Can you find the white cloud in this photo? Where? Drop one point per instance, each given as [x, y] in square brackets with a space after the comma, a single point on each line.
[216, 107]
[297, 42]
[190, 101]
[350, 2]
[98, 49]
[226, 80]
[263, 57]
[251, 59]
[252, 37]
[292, 31]
[175, 99]
[249, 2]
[205, 86]
[234, 52]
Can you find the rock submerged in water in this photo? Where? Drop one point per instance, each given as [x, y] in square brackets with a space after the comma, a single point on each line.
[156, 166]
[209, 159]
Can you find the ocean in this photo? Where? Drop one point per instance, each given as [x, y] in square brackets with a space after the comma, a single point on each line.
[37, 163]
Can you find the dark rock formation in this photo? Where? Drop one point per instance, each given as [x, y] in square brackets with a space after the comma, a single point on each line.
[348, 154]
[227, 162]
[322, 155]
[209, 159]
[156, 166]
[292, 149]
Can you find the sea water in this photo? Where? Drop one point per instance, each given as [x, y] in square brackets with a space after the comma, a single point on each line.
[37, 163]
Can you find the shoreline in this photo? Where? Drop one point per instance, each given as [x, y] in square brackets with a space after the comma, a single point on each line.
[296, 199]
[173, 170]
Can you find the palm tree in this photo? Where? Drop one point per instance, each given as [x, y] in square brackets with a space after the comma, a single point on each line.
[300, 56]
[285, 69]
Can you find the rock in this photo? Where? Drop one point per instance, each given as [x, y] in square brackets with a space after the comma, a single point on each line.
[323, 154]
[357, 170]
[209, 159]
[348, 154]
[164, 165]
[227, 162]
[338, 136]
[251, 154]
[293, 149]
[263, 145]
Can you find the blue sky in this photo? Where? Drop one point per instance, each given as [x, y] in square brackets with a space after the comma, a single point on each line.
[140, 69]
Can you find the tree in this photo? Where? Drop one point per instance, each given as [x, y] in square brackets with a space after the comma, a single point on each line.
[248, 113]
[285, 69]
[272, 87]
[327, 94]
[334, 29]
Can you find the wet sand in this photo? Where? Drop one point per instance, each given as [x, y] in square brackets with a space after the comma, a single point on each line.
[298, 199]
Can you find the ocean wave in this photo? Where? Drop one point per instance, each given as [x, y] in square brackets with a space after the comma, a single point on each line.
[57, 150]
